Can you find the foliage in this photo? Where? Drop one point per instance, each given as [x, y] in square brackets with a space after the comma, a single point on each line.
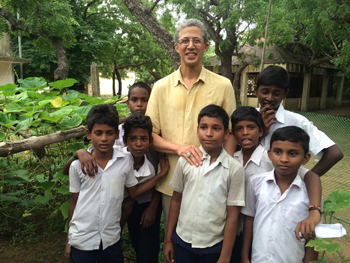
[337, 200]
[33, 188]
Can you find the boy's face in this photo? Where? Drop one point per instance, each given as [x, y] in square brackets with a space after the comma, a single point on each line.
[102, 137]
[138, 100]
[270, 96]
[247, 134]
[287, 157]
[138, 142]
[211, 134]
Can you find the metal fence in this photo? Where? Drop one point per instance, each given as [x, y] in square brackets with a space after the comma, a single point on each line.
[338, 129]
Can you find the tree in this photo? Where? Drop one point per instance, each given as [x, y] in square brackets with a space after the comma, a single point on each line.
[228, 23]
[50, 20]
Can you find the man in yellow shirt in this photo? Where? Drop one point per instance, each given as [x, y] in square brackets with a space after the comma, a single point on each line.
[177, 99]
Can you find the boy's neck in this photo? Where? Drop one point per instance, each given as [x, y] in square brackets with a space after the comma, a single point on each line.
[102, 158]
[247, 153]
[284, 182]
[213, 154]
[138, 162]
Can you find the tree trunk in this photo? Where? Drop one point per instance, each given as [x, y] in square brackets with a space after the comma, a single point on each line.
[119, 77]
[61, 72]
[236, 81]
[95, 80]
[156, 29]
[113, 84]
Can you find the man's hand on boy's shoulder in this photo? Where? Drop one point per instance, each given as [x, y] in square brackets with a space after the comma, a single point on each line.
[88, 163]
[307, 226]
[269, 117]
[191, 153]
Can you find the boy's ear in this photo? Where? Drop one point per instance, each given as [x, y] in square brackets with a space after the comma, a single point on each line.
[286, 93]
[261, 133]
[117, 134]
[124, 140]
[127, 103]
[88, 134]
[269, 153]
[227, 133]
[306, 158]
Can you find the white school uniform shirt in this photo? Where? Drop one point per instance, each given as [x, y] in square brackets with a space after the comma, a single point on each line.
[207, 190]
[120, 141]
[318, 139]
[97, 213]
[275, 218]
[145, 173]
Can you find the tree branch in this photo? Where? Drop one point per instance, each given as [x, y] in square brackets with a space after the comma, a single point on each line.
[15, 24]
[154, 5]
[137, 64]
[87, 7]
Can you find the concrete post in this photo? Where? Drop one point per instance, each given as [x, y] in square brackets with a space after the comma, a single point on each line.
[339, 95]
[95, 80]
[244, 86]
[323, 102]
[306, 92]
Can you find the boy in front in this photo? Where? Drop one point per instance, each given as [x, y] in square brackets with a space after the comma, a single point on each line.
[95, 206]
[207, 199]
[276, 201]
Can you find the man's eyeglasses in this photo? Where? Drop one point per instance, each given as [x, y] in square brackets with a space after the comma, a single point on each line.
[186, 41]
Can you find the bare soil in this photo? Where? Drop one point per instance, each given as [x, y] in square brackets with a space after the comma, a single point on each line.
[50, 249]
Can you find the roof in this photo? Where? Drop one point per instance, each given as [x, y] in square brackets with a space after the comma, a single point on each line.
[278, 56]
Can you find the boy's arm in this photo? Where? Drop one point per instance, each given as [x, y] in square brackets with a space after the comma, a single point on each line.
[173, 217]
[88, 163]
[310, 255]
[314, 190]
[229, 233]
[330, 157]
[247, 238]
[72, 204]
[137, 190]
[149, 215]
[127, 207]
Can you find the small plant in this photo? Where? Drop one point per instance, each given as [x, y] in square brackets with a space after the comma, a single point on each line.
[336, 201]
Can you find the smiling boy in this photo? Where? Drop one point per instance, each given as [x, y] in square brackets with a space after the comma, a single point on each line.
[207, 199]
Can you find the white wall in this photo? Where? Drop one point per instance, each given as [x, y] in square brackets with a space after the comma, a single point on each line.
[106, 85]
[6, 73]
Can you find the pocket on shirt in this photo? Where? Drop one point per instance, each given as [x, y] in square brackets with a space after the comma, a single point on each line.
[292, 216]
[116, 188]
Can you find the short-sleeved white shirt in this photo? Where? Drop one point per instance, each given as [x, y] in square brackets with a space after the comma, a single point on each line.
[318, 139]
[275, 218]
[207, 190]
[97, 213]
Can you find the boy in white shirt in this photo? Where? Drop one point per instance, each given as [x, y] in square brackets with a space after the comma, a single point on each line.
[207, 199]
[276, 201]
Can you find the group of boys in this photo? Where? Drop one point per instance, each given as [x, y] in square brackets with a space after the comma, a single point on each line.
[249, 207]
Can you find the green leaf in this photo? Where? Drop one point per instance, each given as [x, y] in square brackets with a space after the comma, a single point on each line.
[43, 199]
[2, 136]
[71, 122]
[53, 118]
[34, 95]
[76, 146]
[22, 125]
[23, 174]
[321, 244]
[13, 107]
[61, 112]
[61, 84]
[46, 185]
[4, 120]
[63, 190]
[84, 110]
[95, 100]
[60, 176]
[64, 209]
[7, 198]
[337, 200]
[8, 86]
[32, 83]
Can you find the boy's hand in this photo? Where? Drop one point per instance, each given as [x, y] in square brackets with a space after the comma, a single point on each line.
[192, 154]
[307, 226]
[148, 217]
[67, 252]
[168, 252]
[164, 164]
[245, 260]
[88, 163]
[269, 117]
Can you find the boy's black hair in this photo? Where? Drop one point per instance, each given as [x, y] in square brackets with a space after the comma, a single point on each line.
[247, 113]
[214, 111]
[139, 85]
[292, 134]
[103, 114]
[138, 120]
[274, 75]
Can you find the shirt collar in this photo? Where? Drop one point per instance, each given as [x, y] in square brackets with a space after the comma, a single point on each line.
[255, 157]
[280, 113]
[223, 157]
[297, 180]
[178, 77]
[144, 170]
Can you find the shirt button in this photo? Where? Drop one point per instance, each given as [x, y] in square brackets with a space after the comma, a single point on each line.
[186, 126]
[188, 110]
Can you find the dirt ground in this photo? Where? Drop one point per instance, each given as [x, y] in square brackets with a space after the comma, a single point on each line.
[50, 249]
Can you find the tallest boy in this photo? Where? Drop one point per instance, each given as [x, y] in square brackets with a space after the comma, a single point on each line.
[177, 99]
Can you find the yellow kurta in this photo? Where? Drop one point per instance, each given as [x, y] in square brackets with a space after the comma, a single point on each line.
[174, 109]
